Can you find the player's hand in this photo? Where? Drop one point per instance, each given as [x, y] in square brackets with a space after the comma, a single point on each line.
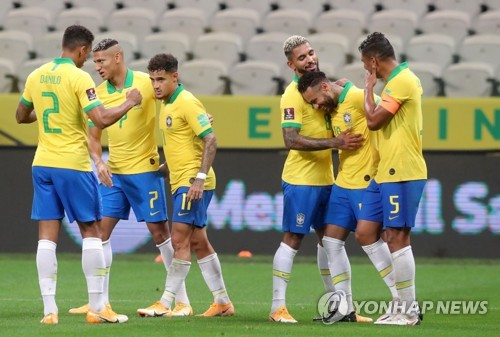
[210, 118]
[371, 75]
[104, 174]
[195, 192]
[349, 141]
[134, 96]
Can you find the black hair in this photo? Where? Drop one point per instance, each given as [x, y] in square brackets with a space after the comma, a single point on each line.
[376, 44]
[311, 79]
[76, 36]
[166, 62]
[104, 45]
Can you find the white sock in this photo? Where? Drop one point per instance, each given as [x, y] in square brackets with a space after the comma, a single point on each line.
[212, 273]
[381, 258]
[94, 269]
[167, 254]
[404, 268]
[324, 270]
[340, 268]
[108, 259]
[282, 269]
[46, 263]
[176, 274]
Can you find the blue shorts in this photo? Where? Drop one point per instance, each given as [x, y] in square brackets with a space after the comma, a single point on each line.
[344, 207]
[57, 190]
[191, 213]
[144, 192]
[393, 204]
[304, 207]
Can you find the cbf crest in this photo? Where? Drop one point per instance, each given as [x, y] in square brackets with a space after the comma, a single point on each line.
[169, 121]
[300, 219]
[347, 118]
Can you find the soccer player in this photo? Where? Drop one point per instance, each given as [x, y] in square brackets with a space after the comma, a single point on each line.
[391, 200]
[130, 178]
[307, 175]
[189, 145]
[356, 169]
[62, 97]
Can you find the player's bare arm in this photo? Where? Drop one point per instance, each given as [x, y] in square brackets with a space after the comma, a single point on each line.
[195, 192]
[103, 117]
[344, 141]
[25, 114]
[376, 115]
[95, 149]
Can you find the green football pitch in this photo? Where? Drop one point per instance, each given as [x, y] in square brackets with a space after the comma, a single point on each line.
[136, 281]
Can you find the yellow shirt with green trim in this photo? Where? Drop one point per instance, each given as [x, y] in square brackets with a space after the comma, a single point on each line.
[131, 140]
[312, 168]
[400, 140]
[60, 94]
[356, 167]
[183, 124]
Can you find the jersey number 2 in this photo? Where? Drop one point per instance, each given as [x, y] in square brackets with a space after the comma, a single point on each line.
[47, 112]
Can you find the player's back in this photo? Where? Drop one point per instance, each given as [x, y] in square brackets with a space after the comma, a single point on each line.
[306, 167]
[60, 92]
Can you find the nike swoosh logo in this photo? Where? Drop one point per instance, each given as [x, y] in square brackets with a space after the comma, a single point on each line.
[393, 217]
[153, 213]
[182, 214]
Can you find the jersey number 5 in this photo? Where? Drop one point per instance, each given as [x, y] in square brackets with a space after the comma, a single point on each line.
[47, 112]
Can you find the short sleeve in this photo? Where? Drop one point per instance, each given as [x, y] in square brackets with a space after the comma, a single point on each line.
[196, 116]
[85, 89]
[291, 109]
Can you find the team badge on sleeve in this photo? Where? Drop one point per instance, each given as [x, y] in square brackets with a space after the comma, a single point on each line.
[289, 113]
[91, 95]
[203, 120]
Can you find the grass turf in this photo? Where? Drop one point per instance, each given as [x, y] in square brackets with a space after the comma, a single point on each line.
[138, 282]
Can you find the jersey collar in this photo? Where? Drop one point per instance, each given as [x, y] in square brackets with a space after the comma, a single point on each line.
[397, 70]
[343, 94]
[129, 79]
[296, 78]
[176, 93]
[62, 60]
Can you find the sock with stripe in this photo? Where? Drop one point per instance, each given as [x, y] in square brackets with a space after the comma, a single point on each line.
[282, 268]
[324, 269]
[381, 258]
[404, 268]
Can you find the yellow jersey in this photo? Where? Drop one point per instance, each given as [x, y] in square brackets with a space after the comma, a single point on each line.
[312, 168]
[356, 167]
[60, 94]
[400, 140]
[183, 124]
[131, 140]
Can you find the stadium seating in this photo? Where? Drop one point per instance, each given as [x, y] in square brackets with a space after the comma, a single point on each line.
[157, 6]
[331, 48]
[449, 22]
[15, 46]
[367, 7]
[355, 72]
[189, 21]
[33, 20]
[105, 7]
[471, 7]
[288, 21]
[488, 23]
[399, 22]
[420, 7]
[89, 17]
[242, 21]
[225, 47]
[255, 78]
[54, 6]
[469, 79]
[139, 65]
[208, 8]
[492, 4]
[350, 23]
[396, 42]
[89, 67]
[49, 45]
[137, 21]
[205, 77]
[176, 44]
[7, 75]
[313, 7]
[5, 7]
[267, 47]
[481, 48]
[434, 48]
[430, 75]
[262, 6]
